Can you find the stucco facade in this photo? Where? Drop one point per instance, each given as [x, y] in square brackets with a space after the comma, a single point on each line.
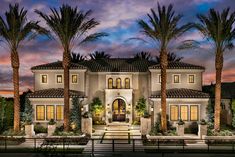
[130, 80]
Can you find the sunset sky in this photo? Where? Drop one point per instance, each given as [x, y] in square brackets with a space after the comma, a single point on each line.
[117, 18]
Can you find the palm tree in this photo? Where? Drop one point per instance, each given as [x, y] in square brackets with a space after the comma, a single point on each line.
[143, 55]
[14, 29]
[218, 28]
[99, 55]
[69, 24]
[163, 27]
[77, 57]
[171, 57]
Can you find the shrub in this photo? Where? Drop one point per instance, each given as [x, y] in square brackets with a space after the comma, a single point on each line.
[28, 112]
[11, 132]
[180, 122]
[38, 128]
[86, 115]
[136, 122]
[141, 106]
[59, 131]
[225, 132]
[75, 115]
[52, 122]
[96, 106]
[99, 122]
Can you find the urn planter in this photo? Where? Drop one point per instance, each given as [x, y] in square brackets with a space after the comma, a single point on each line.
[51, 129]
[29, 130]
[180, 130]
[87, 126]
[145, 125]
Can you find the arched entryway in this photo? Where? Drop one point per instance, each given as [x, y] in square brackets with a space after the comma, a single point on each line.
[119, 110]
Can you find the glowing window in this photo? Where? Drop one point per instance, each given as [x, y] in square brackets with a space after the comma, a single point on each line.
[59, 78]
[127, 83]
[110, 83]
[118, 83]
[44, 78]
[59, 112]
[74, 78]
[191, 78]
[176, 78]
[174, 113]
[159, 78]
[50, 112]
[40, 112]
[194, 113]
[184, 112]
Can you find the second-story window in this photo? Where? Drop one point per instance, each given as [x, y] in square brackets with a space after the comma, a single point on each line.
[159, 78]
[110, 83]
[191, 79]
[74, 78]
[43, 78]
[176, 78]
[118, 83]
[59, 79]
[127, 83]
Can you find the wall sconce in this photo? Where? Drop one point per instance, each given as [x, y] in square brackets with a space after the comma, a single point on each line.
[82, 109]
[160, 109]
[152, 109]
[107, 104]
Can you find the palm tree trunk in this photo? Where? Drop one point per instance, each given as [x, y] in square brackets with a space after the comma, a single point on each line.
[219, 67]
[66, 66]
[15, 65]
[163, 63]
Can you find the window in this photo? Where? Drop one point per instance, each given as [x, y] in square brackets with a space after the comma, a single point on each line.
[174, 113]
[59, 112]
[190, 78]
[110, 83]
[74, 78]
[176, 78]
[50, 112]
[59, 78]
[127, 83]
[40, 112]
[43, 78]
[159, 78]
[184, 112]
[118, 83]
[193, 112]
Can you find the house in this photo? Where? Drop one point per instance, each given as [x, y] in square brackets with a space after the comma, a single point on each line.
[227, 99]
[119, 83]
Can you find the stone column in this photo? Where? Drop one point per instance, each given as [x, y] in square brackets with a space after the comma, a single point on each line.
[51, 130]
[87, 126]
[145, 125]
[202, 130]
[180, 130]
[29, 130]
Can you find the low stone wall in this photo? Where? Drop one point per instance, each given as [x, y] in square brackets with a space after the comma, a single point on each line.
[171, 137]
[87, 126]
[145, 125]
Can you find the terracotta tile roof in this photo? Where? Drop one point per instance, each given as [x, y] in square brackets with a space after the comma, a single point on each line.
[118, 65]
[178, 65]
[55, 93]
[56, 65]
[181, 93]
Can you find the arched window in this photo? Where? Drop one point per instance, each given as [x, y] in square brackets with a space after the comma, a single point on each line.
[118, 83]
[127, 83]
[110, 83]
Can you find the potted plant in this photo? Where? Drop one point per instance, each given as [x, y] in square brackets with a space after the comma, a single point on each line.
[127, 120]
[86, 115]
[110, 120]
[180, 128]
[146, 114]
[51, 127]
[180, 122]
[203, 122]
[29, 128]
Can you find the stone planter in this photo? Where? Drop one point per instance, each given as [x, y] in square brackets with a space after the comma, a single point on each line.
[202, 130]
[87, 126]
[180, 130]
[51, 129]
[29, 130]
[145, 125]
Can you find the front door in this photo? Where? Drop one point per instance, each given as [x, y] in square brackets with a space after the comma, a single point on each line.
[119, 110]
